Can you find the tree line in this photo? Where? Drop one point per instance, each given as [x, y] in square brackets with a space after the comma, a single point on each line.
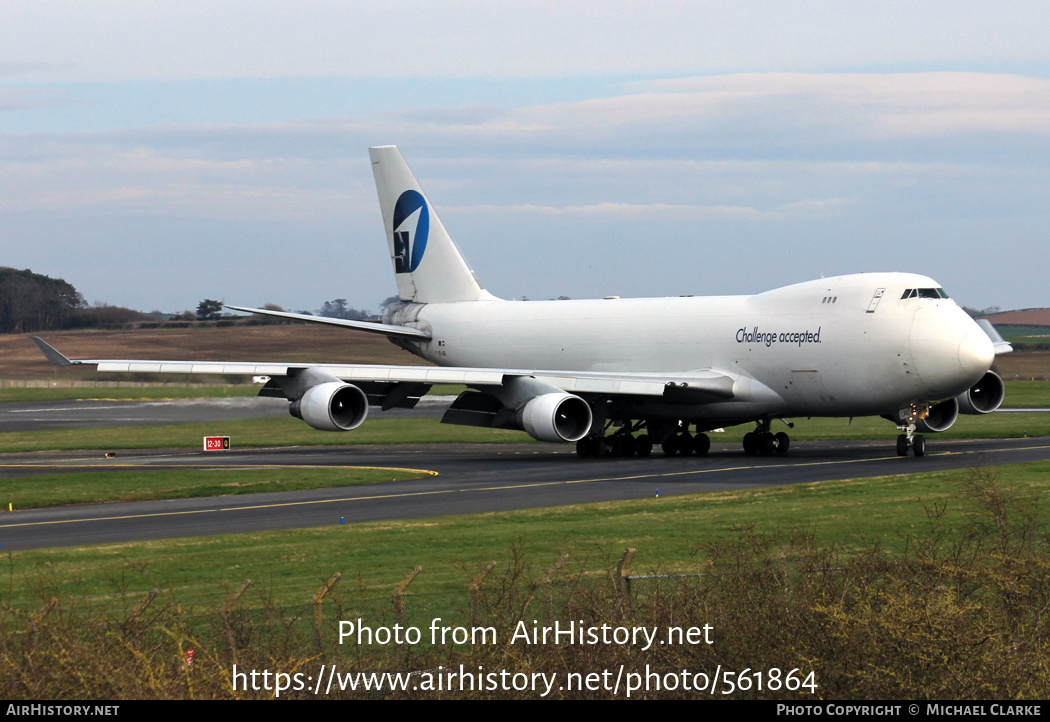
[32, 302]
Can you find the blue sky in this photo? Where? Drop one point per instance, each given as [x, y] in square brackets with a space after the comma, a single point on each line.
[156, 153]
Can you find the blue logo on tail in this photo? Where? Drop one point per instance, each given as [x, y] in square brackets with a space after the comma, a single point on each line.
[411, 228]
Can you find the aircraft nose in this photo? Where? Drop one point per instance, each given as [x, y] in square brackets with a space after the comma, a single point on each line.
[950, 351]
[976, 352]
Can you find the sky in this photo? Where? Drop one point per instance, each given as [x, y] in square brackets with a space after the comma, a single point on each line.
[156, 153]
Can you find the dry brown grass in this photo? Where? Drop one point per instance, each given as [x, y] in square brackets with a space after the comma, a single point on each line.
[1027, 317]
[20, 359]
[1022, 366]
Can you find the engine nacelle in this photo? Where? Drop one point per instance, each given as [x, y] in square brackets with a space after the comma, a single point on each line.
[331, 406]
[940, 418]
[984, 396]
[556, 417]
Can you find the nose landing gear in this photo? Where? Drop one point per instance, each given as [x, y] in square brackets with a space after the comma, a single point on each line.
[909, 439]
[765, 442]
[917, 442]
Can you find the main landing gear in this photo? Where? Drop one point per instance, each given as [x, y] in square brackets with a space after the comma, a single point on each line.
[626, 442]
[765, 442]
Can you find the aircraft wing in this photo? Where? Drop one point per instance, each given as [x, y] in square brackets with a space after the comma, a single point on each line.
[1000, 344]
[700, 386]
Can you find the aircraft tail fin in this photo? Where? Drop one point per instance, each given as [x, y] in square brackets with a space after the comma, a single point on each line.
[427, 264]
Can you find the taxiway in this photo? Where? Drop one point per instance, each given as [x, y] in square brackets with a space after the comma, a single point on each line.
[471, 478]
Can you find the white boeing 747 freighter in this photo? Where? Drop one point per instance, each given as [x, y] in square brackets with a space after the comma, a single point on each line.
[618, 376]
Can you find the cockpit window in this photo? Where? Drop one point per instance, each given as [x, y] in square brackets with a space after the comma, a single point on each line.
[924, 293]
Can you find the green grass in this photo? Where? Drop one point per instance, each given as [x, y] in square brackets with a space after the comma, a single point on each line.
[668, 532]
[990, 426]
[253, 433]
[29, 492]
[1022, 331]
[1027, 395]
[291, 432]
[143, 393]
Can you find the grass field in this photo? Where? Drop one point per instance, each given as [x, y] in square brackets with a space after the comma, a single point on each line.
[255, 433]
[1009, 332]
[20, 359]
[165, 392]
[670, 534]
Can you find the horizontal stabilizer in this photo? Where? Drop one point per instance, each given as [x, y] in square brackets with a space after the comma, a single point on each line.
[369, 326]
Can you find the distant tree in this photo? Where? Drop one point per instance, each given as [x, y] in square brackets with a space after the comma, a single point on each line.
[104, 315]
[338, 308]
[209, 310]
[978, 313]
[272, 307]
[34, 302]
[389, 301]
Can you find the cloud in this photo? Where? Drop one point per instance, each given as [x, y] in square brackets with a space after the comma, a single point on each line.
[888, 105]
[609, 212]
[573, 158]
[858, 171]
[18, 99]
[109, 40]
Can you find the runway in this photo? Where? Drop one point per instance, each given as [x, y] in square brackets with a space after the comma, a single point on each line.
[471, 478]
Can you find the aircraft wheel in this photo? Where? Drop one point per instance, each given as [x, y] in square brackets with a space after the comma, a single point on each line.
[602, 448]
[750, 444]
[783, 442]
[902, 445]
[918, 445]
[685, 443]
[585, 448]
[670, 446]
[628, 446]
[644, 445]
[701, 444]
[766, 444]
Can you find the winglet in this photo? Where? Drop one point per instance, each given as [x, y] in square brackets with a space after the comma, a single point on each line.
[1000, 344]
[53, 354]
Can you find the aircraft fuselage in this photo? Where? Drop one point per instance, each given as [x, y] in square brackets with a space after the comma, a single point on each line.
[842, 346]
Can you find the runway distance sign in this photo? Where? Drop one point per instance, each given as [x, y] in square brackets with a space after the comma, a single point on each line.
[216, 443]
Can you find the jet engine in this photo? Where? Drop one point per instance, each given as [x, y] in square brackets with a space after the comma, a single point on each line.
[940, 418]
[984, 396]
[331, 406]
[556, 417]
